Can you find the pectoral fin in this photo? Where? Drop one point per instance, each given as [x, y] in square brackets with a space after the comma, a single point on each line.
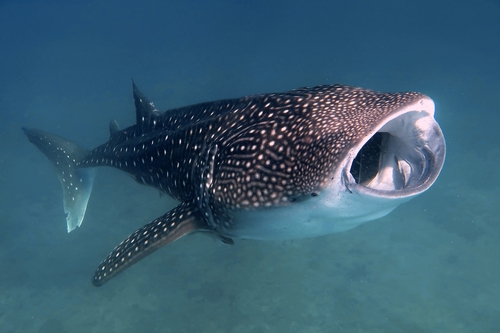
[178, 222]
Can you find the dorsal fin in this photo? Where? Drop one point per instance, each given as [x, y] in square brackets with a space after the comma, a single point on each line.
[146, 111]
[113, 128]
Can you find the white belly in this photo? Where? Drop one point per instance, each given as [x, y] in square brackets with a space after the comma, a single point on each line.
[325, 214]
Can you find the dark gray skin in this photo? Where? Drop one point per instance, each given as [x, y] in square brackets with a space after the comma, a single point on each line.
[256, 152]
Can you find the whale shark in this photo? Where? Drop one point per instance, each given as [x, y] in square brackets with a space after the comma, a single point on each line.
[302, 163]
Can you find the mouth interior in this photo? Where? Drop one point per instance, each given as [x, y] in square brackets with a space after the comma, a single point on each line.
[399, 156]
[366, 164]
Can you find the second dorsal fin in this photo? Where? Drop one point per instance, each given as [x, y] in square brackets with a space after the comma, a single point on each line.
[113, 128]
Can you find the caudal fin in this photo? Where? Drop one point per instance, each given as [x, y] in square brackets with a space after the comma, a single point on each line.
[76, 182]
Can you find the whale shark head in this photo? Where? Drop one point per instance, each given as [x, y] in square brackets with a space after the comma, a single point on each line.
[383, 161]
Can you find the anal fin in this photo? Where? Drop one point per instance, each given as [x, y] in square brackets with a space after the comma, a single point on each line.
[178, 222]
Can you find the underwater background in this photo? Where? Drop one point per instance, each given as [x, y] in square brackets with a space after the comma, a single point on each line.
[432, 265]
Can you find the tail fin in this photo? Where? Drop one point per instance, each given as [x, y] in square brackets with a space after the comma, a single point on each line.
[76, 182]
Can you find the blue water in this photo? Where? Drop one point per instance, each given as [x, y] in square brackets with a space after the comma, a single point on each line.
[66, 66]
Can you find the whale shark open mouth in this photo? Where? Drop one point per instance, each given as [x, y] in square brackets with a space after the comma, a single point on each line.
[402, 158]
[394, 160]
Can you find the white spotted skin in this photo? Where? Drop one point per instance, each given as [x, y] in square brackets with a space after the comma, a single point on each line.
[244, 159]
[76, 182]
[161, 231]
[340, 204]
[302, 163]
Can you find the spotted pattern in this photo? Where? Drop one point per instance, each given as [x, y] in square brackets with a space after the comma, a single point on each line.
[270, 149]
[161, 231]
[256, 151]
[64, 158]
